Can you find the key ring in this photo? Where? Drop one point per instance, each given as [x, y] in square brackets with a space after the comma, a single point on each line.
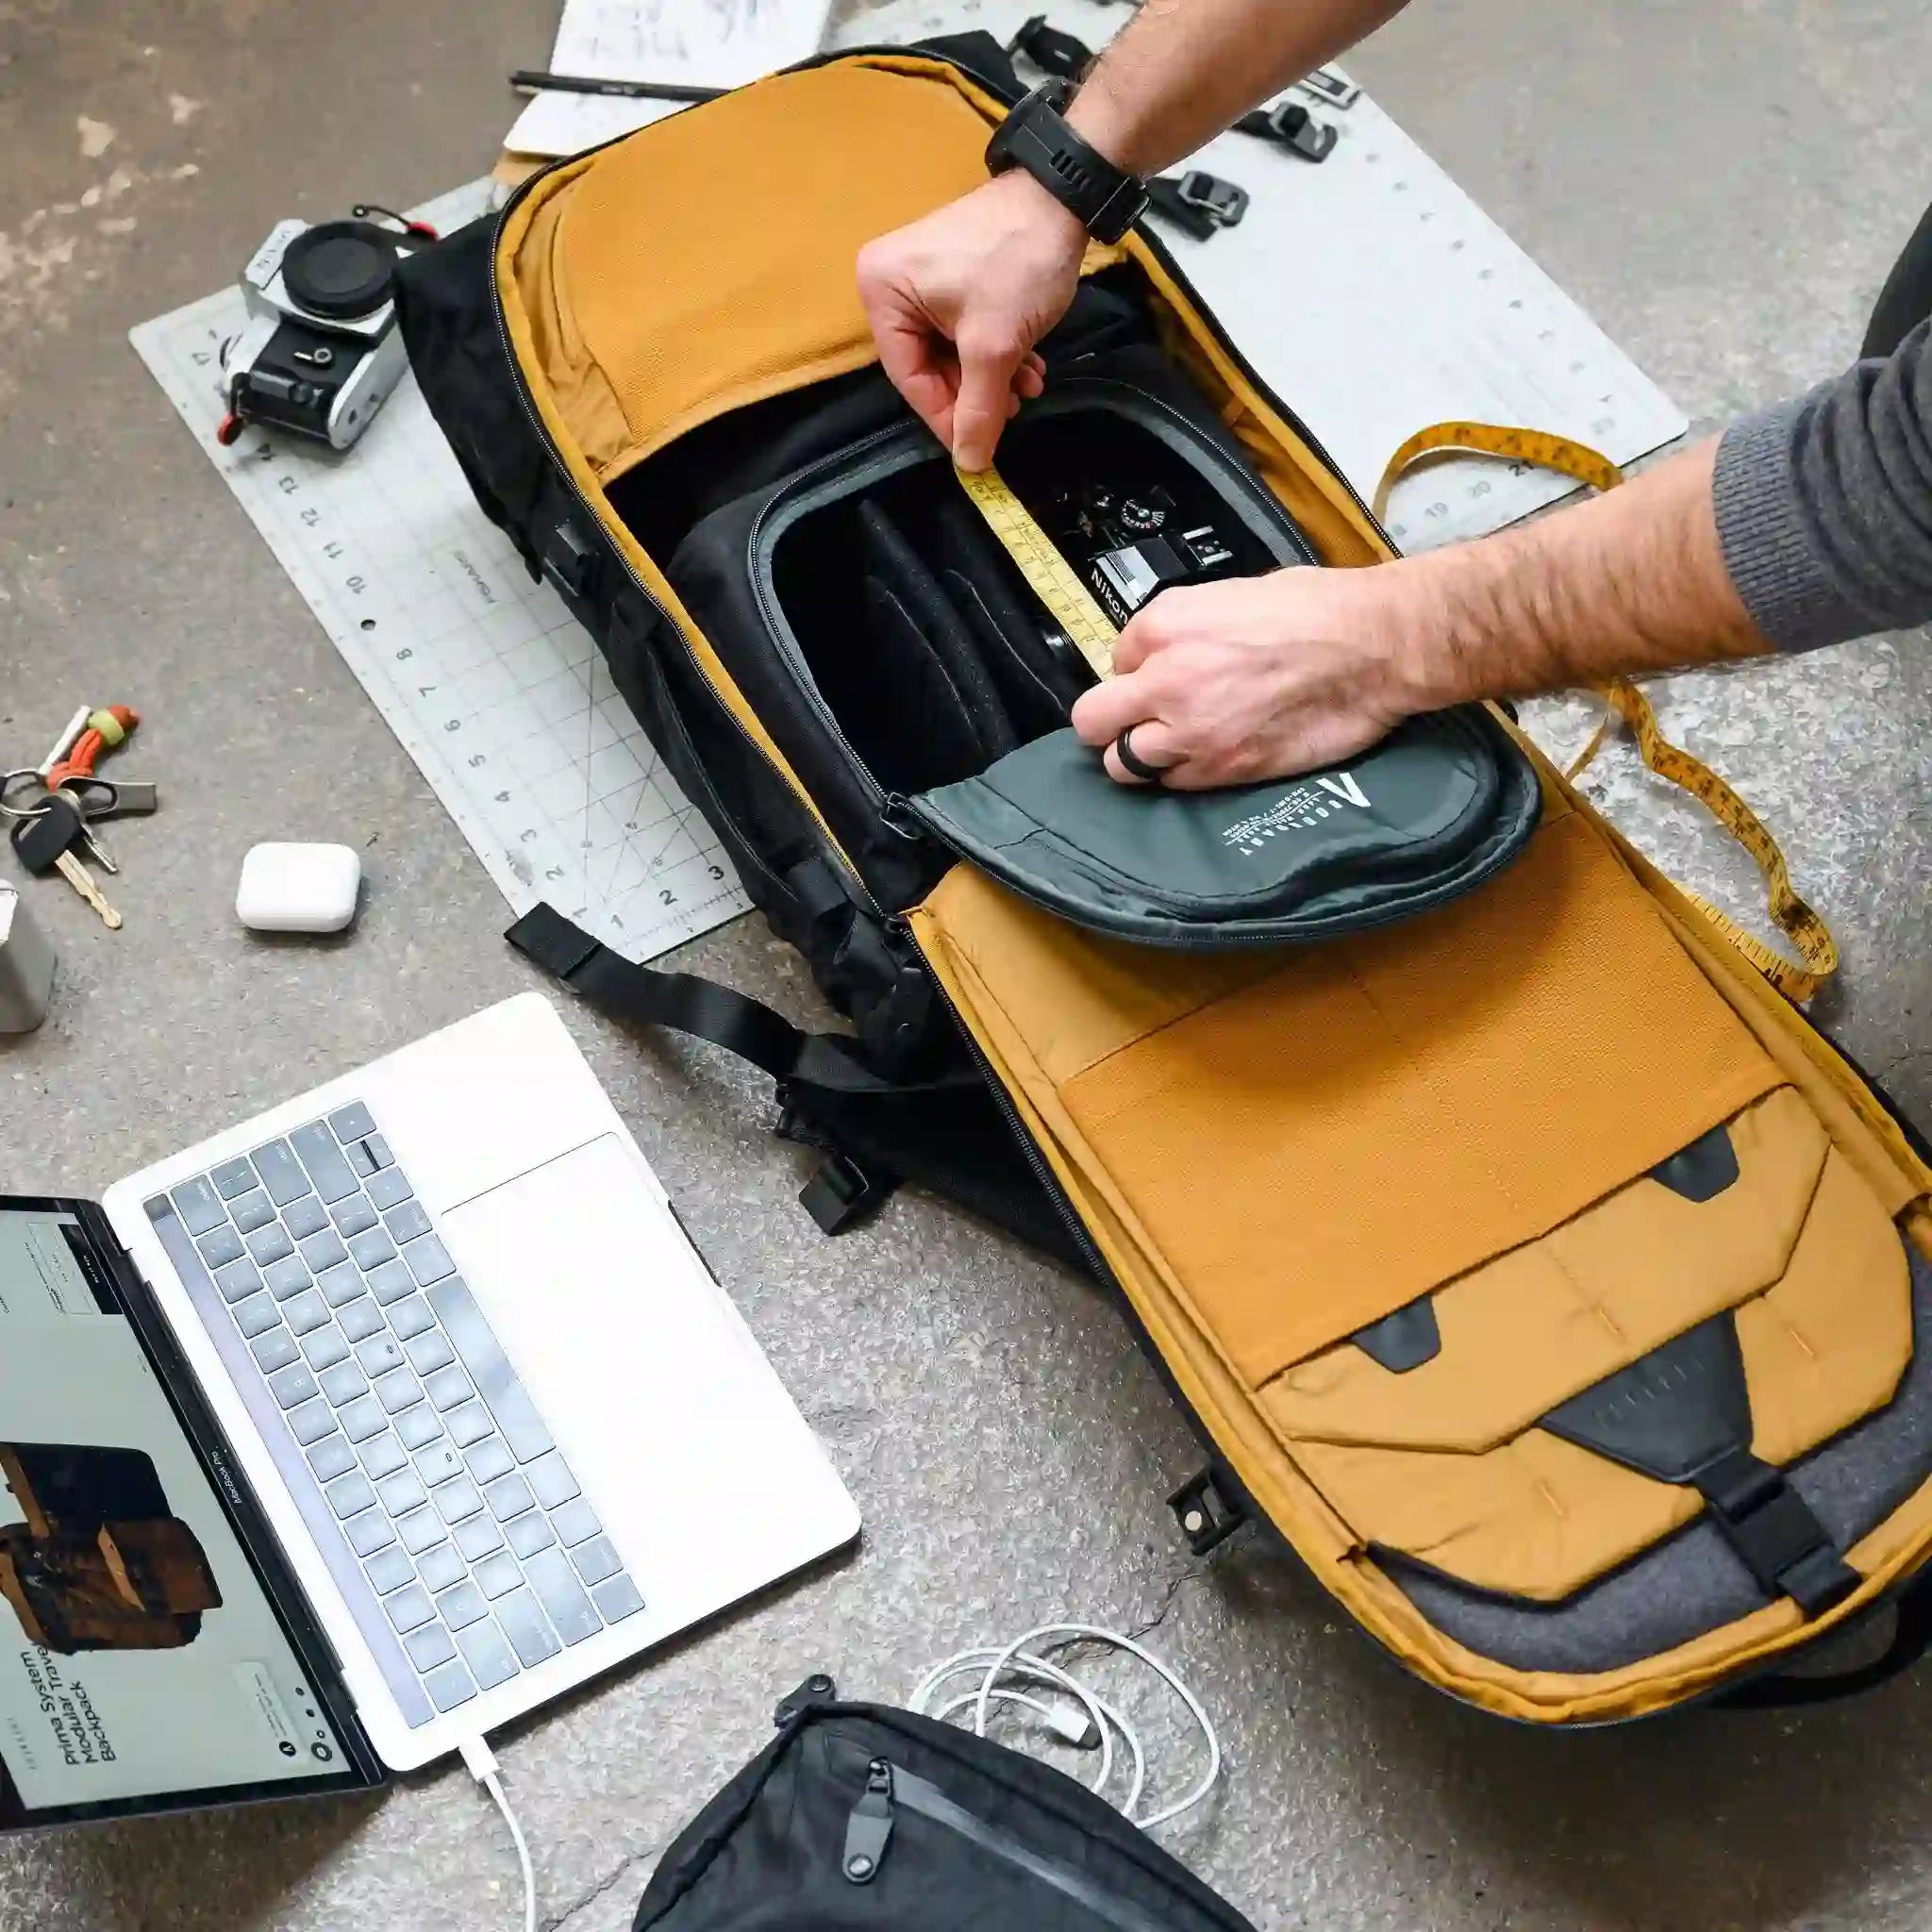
[82, 790]
[10, 781]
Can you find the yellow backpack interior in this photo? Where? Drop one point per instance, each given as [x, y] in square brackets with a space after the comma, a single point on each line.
[1277, 1150]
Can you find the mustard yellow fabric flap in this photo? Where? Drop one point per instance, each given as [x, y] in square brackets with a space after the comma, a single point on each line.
[1312, 1148]
[1537, 1517]
[1543, 1322]
[706, 261]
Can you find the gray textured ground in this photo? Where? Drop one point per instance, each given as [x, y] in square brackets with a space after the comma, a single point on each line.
[1722, 187]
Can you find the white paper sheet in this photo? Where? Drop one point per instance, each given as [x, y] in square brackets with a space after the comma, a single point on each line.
[693, 42]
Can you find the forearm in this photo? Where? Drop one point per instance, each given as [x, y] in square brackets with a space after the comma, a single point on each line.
[1182, 71]
[1627, 583]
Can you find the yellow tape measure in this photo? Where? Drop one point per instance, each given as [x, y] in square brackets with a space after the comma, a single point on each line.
[1535, 446]
[1806, 930]
[1041, 563]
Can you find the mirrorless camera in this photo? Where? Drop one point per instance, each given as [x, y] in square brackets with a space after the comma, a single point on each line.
[320, 352]
[1129, 548]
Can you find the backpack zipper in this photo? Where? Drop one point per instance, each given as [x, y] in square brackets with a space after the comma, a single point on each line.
[1207, 460]
[889, 1788]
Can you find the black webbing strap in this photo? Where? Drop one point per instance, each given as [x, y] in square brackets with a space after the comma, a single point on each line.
[687, 1003]
[701, 1008]
[1773, 1529]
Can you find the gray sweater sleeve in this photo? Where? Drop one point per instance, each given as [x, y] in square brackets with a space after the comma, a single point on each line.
[1824, 505]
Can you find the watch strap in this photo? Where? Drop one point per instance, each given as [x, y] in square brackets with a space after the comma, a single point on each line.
[1105, 199]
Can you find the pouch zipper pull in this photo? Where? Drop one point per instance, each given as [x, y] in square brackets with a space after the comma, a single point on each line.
[869, 1830]
[897, 815]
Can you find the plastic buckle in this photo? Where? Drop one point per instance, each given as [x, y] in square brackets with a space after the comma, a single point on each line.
[1208, 1516]
[1051, 50]
[1295, 128]
[1225, 202]
[840, 1195]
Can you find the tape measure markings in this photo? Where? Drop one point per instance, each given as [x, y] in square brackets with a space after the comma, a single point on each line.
[1050, 575]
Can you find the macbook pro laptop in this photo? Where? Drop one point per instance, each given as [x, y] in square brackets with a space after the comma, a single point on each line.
[356, 1431]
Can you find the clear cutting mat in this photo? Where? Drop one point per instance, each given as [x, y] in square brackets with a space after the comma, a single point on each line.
[492, 687]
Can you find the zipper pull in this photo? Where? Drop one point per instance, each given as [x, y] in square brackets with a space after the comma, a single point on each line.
[897, 815]
[869, 1830]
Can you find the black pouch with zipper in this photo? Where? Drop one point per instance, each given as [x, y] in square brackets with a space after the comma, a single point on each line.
[862, 1818]
[916, 684]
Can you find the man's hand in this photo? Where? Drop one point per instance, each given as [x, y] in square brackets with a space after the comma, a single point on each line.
[1260, 678]
[957, 302]
[1264, 677]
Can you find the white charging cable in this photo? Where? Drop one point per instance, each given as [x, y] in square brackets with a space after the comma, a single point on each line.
[1000, 1672]
[481, 1761]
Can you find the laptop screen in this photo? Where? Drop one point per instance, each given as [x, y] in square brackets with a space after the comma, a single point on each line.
[142, 1662]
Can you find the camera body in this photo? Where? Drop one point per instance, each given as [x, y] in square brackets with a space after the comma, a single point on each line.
[320, 352]
[1129, 548]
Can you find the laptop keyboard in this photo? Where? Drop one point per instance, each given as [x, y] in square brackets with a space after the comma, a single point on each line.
[418, 1459]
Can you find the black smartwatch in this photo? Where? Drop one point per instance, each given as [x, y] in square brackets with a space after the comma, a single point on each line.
[1105, 199]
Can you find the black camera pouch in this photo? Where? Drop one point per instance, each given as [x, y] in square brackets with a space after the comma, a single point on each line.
[861, 1818]
[920, 688]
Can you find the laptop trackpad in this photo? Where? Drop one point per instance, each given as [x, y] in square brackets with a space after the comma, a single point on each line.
[614, 1324]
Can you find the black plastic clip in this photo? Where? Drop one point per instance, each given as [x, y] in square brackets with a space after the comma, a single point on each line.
[817, 1689]
[1198, 203]
[1051, 50]
[1293, 127]
[840, 1194]
[1226, 202]
[1207, 1514]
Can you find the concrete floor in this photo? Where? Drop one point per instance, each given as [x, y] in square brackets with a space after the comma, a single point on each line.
[1722, 187]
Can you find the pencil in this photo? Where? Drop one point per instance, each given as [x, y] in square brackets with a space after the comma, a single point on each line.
[531, 81]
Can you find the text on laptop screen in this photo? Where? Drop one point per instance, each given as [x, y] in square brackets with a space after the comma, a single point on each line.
[141, 1658]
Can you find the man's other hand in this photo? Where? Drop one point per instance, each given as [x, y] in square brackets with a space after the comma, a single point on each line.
[1260, 678]
[957, 302]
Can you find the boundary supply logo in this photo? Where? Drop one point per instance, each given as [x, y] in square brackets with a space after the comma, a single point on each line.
[1304, 807]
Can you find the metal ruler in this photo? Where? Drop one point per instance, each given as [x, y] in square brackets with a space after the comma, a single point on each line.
[1051, 578]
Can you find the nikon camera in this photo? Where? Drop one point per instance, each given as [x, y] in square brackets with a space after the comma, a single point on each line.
[1129, 548]
[320, 352]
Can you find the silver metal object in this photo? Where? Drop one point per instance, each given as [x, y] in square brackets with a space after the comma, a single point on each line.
[27, 966]
[258, 389]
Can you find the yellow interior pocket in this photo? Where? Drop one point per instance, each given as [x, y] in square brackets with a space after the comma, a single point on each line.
[1538, 1517]
[1538, 1325]
[1381, 1114]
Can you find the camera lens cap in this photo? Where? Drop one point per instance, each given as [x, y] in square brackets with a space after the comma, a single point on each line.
[341, 270]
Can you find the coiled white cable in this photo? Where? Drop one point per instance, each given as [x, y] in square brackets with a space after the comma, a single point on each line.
[1000, 1671]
